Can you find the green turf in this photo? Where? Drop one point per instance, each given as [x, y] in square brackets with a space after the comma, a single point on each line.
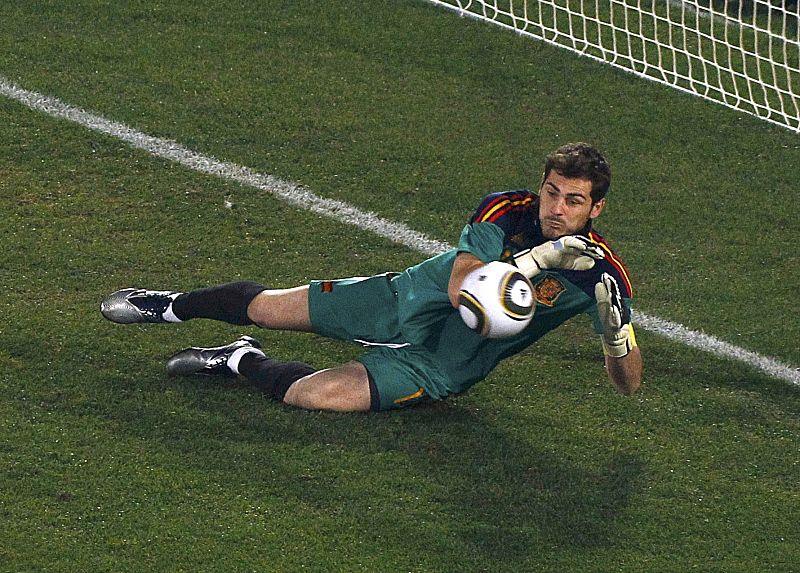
[413, 113]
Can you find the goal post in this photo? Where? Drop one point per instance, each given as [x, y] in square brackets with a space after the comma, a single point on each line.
[744, 54]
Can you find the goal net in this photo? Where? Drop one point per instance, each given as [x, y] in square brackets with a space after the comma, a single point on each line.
[744, 54]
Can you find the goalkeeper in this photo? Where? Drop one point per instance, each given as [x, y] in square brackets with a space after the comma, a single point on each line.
[418, 347]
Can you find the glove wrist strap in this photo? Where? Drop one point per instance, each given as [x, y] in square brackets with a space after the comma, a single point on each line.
[622, 344]
[615, 351]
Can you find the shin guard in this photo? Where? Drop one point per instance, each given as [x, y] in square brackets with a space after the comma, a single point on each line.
[227, 302]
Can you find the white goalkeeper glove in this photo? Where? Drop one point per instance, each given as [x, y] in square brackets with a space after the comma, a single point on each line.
[571, 252]
[615, 317]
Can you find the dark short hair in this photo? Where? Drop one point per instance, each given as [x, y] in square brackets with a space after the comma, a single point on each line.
[581, 161]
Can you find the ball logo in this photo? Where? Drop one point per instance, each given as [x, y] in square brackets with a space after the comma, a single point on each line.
[517, 297]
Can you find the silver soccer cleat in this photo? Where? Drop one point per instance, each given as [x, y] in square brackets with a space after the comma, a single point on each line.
[136, 305]
[208, 361]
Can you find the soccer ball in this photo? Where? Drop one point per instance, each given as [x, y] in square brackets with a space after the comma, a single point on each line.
[496, 300]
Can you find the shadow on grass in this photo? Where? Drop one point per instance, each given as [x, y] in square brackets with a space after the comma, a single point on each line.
[437, 484]
[441, 479]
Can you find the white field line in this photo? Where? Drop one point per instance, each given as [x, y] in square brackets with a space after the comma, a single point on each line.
[299, 196]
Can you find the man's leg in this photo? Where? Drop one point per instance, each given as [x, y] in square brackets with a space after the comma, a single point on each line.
[344, 388]
[241, 303]
[246, 303]
[281, 309]
[341, 389]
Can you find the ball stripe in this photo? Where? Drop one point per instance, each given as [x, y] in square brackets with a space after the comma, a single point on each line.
[514, 310]
[468, 300]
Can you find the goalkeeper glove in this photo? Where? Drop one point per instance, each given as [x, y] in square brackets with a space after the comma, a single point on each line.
[571, 252]
[615, 317]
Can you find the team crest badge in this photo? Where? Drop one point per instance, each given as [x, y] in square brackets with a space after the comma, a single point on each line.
[548, 290]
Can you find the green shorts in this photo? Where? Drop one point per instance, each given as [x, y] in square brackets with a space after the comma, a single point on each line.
[365, 310]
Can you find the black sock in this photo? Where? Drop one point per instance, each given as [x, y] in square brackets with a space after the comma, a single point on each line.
[272, 376]
[227, 302]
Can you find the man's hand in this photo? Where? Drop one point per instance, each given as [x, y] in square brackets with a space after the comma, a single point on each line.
[571, 252]
[615, 317]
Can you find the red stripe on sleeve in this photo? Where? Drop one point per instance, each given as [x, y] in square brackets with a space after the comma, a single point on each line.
[481, 217]
[615, 261]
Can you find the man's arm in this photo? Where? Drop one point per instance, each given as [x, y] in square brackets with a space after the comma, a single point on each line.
[623, 357]
[626, 373]
[464, 264]
[570, 252]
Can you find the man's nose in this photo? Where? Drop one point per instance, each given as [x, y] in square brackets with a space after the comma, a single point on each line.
[558, 206]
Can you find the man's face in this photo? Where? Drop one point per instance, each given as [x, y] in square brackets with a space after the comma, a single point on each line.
[565, 205]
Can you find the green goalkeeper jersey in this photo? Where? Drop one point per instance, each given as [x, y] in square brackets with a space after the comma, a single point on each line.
[504, 224]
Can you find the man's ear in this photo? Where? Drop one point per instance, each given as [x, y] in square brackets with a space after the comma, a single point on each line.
[597, 208]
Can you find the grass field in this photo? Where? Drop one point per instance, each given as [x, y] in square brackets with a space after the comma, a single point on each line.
[413, 113]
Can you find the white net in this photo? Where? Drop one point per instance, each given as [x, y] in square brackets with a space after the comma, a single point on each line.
[744, 54]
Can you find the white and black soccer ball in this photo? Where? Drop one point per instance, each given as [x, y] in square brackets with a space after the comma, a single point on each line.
[496, 300]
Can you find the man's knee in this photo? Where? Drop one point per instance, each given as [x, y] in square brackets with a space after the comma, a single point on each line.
[342, 389]
[282, 309]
